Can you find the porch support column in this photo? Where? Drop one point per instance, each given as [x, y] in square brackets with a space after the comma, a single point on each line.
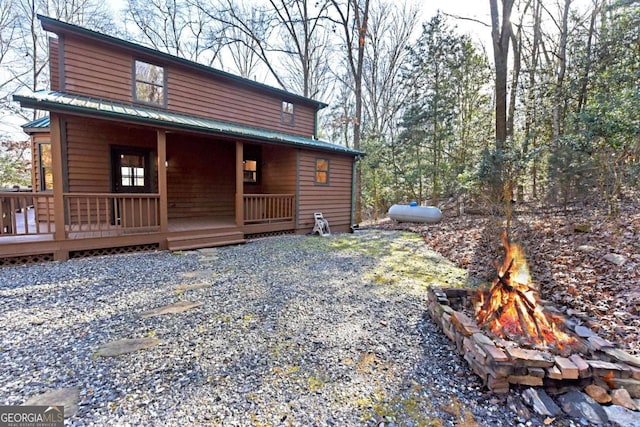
[58, 187]
[162, 181]
[239, 185]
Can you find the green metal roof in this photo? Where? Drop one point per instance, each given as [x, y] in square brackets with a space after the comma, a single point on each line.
[57, 26]
[37, 125]
[100, 108]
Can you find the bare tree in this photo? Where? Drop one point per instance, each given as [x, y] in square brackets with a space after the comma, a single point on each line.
[391, 26]
[242, 45]
[304, 42]
[501, 36]
[175, 27]
[247, 34]
[10, 35]
[561, 68]
[353, 18]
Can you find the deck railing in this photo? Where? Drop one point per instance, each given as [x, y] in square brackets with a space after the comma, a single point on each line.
[24, 213]
[104, 214]
[268, 208]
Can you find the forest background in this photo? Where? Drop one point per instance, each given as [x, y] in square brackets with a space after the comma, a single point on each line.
[539, 103]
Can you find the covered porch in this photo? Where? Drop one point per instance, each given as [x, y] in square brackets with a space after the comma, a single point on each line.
[195, 191]
[27, 219]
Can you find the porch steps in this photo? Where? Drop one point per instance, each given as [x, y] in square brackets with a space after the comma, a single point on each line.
[181, 243]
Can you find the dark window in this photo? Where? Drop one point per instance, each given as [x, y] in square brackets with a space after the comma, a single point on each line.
[46, 173]
[287, 114]
[149, 84]
[130, 170]
[322, 171]
[250, 171]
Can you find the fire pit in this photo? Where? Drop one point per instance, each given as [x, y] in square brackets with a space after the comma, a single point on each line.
[509, 336]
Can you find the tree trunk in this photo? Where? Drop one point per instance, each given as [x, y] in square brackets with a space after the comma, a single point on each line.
[558, 111]
[501, 35]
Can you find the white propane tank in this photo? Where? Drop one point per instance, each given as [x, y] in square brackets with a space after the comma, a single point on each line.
[414, 213]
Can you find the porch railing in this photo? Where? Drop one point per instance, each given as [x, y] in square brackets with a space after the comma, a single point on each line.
[268, 208]
[104, 214]
[26, 213]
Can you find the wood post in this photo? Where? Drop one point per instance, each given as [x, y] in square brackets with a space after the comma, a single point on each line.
[162, 181]
[58, 187]
[239, 184]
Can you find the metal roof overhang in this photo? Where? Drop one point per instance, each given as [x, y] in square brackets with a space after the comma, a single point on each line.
[105, 109]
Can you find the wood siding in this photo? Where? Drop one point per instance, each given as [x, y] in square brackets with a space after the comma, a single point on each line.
[333, 200]
[88, 152]
[200, 177]
[96, 70]
[54, 63]
[278, 170]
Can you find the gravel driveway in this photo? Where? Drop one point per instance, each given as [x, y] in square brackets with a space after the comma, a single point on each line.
[293, 330]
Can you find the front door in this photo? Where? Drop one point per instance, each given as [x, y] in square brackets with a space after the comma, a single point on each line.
[130, 174]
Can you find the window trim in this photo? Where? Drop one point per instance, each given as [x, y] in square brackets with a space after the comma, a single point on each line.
[134, 86]
[41, 168]
[327, 171]
[288, 117]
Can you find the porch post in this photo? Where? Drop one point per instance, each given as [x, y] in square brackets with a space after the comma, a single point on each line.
[239, 185]
[58, 180]
[162, 181]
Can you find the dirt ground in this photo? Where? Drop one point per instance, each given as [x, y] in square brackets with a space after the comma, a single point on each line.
[570, 255]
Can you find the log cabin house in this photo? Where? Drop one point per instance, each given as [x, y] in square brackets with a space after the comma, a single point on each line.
[142, 149]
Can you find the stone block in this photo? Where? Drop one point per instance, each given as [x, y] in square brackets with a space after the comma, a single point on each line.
[464, 324]
[482, 339]
[603, 369]
[525, 380]
[629, 384]
[537, 372]
[568, 369]
[474, 348]
[530, 358]
[635, 372]
[541, 403]
[497, 384]
[578, 405]
[554, 373]
[623, 356]
[583, 368]
[502, 369]
[597, 393]
[495, 354]
[599, 343]
[621, 397]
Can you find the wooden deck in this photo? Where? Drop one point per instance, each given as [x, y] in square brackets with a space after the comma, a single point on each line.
[101, 221]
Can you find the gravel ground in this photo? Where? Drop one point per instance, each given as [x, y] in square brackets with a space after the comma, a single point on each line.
[294, 330]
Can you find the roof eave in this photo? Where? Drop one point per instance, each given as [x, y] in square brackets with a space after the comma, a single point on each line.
[52, 106]
[57, 27]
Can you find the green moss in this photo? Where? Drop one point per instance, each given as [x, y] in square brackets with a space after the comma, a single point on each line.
[314, 383]
[246, 320]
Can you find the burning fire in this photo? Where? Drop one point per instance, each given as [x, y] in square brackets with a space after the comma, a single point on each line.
[511, 307]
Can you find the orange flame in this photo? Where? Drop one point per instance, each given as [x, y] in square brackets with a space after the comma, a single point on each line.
[511, 308]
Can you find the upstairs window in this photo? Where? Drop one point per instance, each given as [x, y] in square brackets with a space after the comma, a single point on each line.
[46, 173]
[322, 172]
[149, 86]
[287, 114]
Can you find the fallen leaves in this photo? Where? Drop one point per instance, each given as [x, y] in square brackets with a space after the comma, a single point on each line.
[569, 265]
